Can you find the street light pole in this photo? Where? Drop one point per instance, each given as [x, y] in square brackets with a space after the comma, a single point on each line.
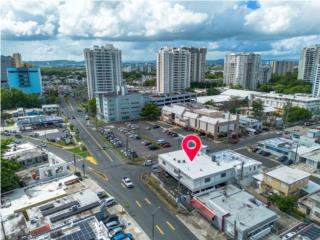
[153, 215]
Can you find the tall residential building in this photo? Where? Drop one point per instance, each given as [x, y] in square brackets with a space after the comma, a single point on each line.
[16, 60]
[27, 79]
[264, 73]
[173, 70]
[103, 66]
[242, 69]
[281, 67]
[198, 63]
[6, 62]
[309, 59]
[316, 82]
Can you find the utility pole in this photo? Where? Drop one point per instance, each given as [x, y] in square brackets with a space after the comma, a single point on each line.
[83, 168]
[74, 162]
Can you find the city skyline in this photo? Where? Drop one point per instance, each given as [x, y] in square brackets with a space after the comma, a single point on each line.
[48, 30]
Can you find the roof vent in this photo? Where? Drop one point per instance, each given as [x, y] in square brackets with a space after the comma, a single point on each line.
[179, 161]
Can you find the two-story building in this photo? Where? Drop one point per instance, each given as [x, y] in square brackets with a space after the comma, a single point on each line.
[284, 181]
[208, 171]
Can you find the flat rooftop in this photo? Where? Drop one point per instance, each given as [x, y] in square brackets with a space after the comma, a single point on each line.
[241, 206]
[292, 97]
[24, 198]
[23, 151]
[203, 164]
[287, 174]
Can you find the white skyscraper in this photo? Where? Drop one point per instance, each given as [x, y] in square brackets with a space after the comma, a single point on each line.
[16, 60]
[103, 66]
[282, 66]
[316, 82]
[198, 63]
[309, 59]
[242, 69]
[173, 70]
[264, 73]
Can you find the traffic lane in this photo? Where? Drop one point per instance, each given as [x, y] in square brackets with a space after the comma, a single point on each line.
[142, 203]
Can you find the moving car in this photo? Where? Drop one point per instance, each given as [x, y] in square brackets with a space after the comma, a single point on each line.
[127, 182]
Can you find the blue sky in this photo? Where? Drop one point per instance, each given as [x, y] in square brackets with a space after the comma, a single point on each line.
[56, 29]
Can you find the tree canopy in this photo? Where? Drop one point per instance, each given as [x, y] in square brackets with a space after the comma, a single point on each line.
[294, 114]
[14, 98]
[216, 75]
[150, 111]
[206, 84]
[9, 180]
[213, 91]
[257, 108]
[287, 84]
[92, 107]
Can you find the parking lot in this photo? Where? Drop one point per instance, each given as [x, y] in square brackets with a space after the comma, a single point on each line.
[141, 139]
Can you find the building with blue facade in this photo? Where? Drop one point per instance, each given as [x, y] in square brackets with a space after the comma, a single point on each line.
[27, 79]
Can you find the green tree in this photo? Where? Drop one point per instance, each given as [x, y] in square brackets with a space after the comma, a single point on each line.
[210, 103]
[237, 86]
[294, 114]
[287, 83]
[149, 83]
[92, 107]
[14, 98]
[9, 180]
[150, 111]
[257, 108]
[213, 91]
[285, 204]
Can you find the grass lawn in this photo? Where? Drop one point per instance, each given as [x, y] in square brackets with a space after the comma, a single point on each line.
[78, 151]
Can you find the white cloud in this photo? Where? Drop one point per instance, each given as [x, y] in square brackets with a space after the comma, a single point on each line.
[285, 17]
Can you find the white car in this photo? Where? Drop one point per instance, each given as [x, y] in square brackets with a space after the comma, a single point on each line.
[127, 182]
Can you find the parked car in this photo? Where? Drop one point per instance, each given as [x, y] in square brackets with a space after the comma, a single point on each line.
[110, 218]
[127, 182]
[147, 163]
[166, 145]
[282, 158]
[155, 126]
[265, 154]
[102, 194]
[153, 147]
[114, 224]
[122, 236]
[43, 145]
[110, 201]
[145, 143]
[115, 231]
[288, 162]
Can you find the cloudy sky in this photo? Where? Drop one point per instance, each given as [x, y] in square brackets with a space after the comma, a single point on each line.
[54, 29]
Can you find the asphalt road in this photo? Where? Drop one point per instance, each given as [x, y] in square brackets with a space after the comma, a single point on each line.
[140, 200]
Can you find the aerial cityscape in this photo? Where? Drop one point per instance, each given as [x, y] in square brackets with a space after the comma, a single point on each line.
[160, 120]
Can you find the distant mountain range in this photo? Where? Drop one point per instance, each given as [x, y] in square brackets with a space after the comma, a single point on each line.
[70, 63]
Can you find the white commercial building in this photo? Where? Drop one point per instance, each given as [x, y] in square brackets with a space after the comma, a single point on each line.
[103, 66]
[16, 60]
[236, 213]
[208, 171]
[279, 101]
[309, 59]
[198, 63]
[209, 121]
[50, 108]
[282, 66]
[173, 70]
[250, 122]
[316, 82]
[242, 69]
[123, 107]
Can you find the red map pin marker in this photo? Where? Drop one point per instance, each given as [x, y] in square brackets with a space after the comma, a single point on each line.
[191, 151]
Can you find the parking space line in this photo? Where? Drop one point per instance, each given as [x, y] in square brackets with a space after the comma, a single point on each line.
[123, 185]
[170, 225]
[148, 201]
[159, 229]
[137, 202]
